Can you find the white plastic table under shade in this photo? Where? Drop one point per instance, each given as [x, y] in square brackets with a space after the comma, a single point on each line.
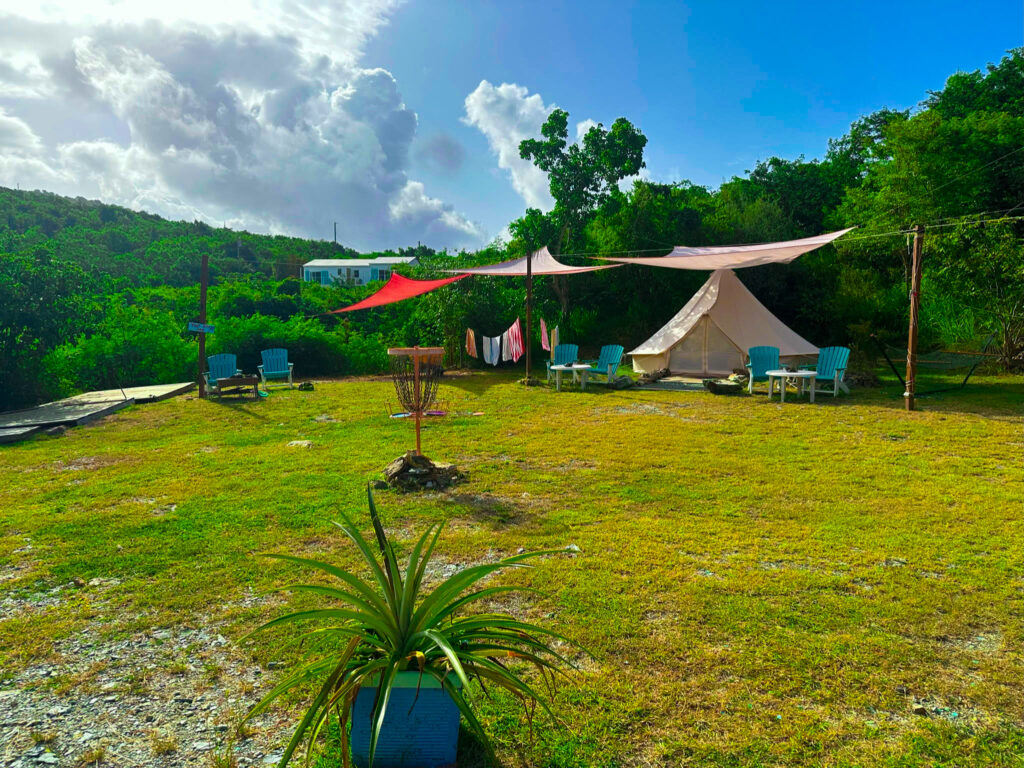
[733, 256]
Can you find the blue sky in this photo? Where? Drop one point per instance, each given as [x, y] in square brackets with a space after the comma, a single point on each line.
[400, 119]
[715, 86]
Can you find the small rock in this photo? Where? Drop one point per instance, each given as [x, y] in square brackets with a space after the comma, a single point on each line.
[921, 710]
[57, 711]
[273, 758]
[300, 444]
[902, 690]
[56, 431]
[202, 746]
[47, 758]
[275, 665]
[78, 581]
[163, 634]
[572, 548]
[520, 550]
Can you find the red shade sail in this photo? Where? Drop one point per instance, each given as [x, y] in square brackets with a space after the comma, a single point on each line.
[399, 288]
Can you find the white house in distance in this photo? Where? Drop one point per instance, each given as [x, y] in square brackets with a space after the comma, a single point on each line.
[352, 271]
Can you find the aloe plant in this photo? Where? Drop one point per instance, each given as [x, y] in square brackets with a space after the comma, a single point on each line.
[392, 623]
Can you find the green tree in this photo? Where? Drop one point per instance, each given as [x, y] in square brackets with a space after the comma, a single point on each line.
[42, 302]
[581, 176]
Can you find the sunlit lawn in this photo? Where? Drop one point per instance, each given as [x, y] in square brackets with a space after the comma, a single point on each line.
[758, 584]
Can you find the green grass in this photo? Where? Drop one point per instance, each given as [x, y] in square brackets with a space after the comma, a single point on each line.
[758, 584]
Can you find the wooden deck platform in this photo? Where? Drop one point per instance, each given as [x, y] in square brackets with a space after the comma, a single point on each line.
[150, 394]
[16, 434]
[81, 409]
[68, 414]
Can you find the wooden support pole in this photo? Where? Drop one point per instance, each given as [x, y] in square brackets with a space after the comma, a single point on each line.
[204, 279]
[529, 312]
[915, 311]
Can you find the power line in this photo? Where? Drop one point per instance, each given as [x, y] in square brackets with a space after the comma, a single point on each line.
[963, 176]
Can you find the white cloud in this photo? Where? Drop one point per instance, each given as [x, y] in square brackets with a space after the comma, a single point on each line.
[260, 117]
[582, 127]
[506, 115]
[412, 205]
[16, 138]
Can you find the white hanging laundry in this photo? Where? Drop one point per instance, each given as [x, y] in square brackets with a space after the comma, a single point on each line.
[506, 347]
[492, 349]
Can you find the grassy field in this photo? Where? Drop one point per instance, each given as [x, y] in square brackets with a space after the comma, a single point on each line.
[759, 585]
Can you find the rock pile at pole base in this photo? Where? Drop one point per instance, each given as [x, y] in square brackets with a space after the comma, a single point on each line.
[412, 472]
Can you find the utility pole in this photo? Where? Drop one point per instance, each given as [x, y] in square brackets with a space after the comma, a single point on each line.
[529, 311]
[335, 233]
[915, 310]
[204, 279]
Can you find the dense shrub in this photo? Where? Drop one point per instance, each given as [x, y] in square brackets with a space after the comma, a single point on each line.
[134, 345]
[315, 349]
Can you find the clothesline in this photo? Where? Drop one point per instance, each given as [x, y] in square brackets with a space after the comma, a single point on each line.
[509, 346]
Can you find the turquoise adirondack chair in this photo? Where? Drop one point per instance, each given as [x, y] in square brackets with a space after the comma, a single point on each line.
[831, 367]
[761, 360]
[222, 366]
[565, 354]
[275, 366]
[608, 363]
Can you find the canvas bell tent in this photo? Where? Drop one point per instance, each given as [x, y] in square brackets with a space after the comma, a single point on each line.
[710, 336]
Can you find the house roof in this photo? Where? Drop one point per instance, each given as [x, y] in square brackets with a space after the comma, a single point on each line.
[380, 260]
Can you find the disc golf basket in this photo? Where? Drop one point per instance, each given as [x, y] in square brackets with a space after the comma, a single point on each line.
[416, 372]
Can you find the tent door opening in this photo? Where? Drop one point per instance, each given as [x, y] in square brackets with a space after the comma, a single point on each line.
[705, 351]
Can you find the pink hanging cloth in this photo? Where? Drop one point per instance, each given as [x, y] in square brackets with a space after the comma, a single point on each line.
[515, 341]
[544, 344]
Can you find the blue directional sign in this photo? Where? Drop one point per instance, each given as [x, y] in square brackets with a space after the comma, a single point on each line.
[200, 327]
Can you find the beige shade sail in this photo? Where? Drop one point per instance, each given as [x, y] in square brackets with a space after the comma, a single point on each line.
[735, 256]
[543, 263]
[711, 334]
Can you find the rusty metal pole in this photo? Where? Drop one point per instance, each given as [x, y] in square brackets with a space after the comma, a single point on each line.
[915, 311]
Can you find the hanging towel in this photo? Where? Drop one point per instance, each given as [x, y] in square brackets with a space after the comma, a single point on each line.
[470, 342]
[515, 341]
[492, 349]
[506, 348]
[554, 341]
[544, 344]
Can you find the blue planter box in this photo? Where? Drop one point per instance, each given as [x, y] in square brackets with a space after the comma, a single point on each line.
[426, 736]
